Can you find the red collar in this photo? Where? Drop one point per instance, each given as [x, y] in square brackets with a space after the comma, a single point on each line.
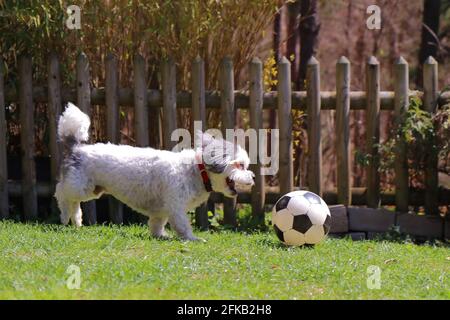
[205, 177]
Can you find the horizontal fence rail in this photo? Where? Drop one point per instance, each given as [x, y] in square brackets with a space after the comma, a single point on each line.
[272, 194]
[358, 99]
[228, 100]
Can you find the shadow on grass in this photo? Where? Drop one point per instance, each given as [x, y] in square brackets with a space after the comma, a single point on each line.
[276, 244]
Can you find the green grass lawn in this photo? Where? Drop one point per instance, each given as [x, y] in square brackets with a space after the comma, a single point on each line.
[124, 263]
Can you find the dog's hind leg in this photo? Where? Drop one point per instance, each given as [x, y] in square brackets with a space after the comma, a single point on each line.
[70, 210]
[77, 216]
[156, 226]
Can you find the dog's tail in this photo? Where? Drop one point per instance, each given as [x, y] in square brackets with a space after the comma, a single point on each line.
[73, 125]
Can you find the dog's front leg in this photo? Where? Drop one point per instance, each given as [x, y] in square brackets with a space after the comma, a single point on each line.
[156, 226]
[179, 221]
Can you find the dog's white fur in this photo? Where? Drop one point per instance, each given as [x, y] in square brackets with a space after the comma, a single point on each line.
[162, 185]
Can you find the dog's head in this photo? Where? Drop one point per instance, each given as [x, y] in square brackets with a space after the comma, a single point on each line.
[226, 163]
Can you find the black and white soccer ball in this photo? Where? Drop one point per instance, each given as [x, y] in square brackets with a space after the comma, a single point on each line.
[301, 217]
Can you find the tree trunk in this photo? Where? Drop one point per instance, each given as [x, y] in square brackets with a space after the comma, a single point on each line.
[430, 30]
[309, 32]
[293, 38]
[276, 37]
[277, 55]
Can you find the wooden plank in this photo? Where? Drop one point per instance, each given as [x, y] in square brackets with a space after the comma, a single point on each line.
[359, 195]
[401, 163]
[256, 101]
[198, 91]
[343, 131]
[199, 114]
[141, 112]
[113, 123]
[54, 111]
[373, 131]
[140, 102]
[4, 203]
[358, 99]
[314, 127]
[169, 101]
[83, 84]
[431, 93]
[228, 113]
[29, 194]
[54, 108]
[286, 167]
[83, 96]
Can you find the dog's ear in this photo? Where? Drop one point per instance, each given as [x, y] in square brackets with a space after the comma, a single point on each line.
[216, 167]
[204, 139]
[198, 139]
[216, 155]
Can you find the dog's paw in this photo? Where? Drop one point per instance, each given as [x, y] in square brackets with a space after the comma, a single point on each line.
[64, 220]
[162, 237]
[193, 238]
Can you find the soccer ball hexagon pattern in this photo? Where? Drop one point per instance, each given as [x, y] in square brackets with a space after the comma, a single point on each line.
[301, 217]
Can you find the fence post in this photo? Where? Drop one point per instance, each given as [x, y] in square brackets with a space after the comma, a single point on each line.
[314, 126]
[228, 122]
[431, 93]
[199, 114]
[373, 131]
[169, 92]
[401, 106]
[256, 110]
[4, 204]
[84, 103]
[140, 102]
[113, 123]
[54, 110]
[29, 192]
[286, 171]
[343, 131]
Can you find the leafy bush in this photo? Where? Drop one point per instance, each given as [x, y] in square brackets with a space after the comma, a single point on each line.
[422, 132]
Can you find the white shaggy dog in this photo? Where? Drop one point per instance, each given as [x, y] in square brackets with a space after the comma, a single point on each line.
[161, 185]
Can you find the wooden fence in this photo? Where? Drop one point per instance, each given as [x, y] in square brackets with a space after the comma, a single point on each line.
[227, 99]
